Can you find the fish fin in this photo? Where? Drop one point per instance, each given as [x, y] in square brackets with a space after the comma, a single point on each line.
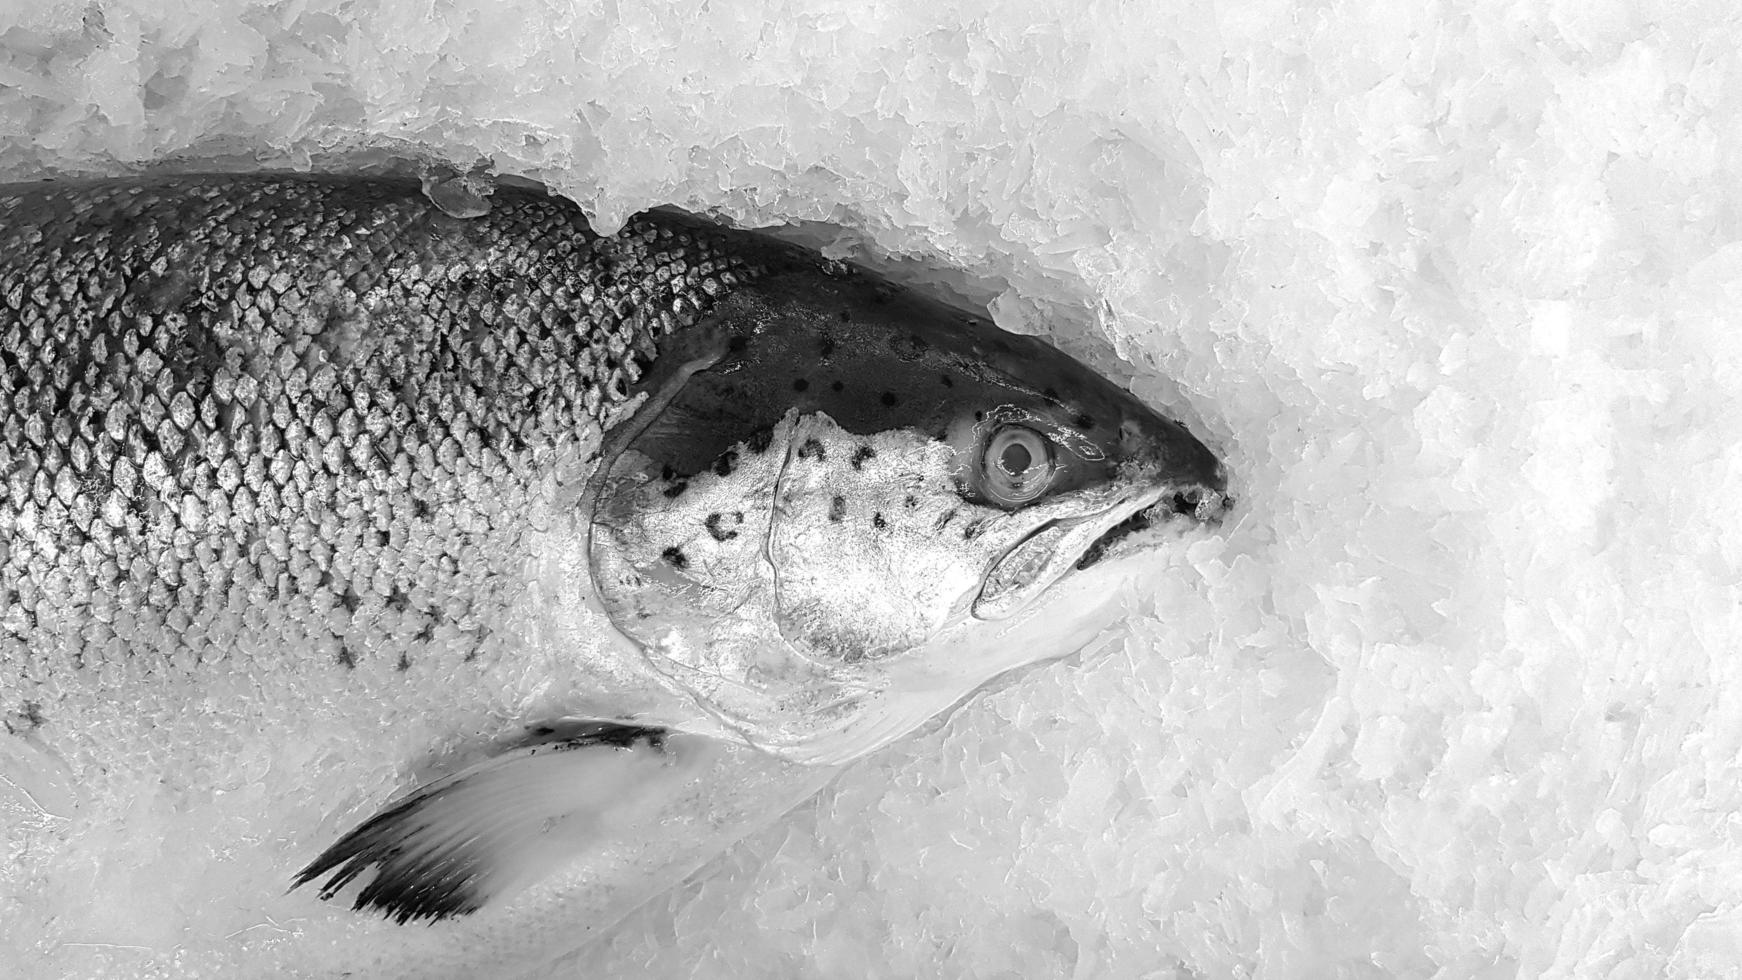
[682, 355]
[451, 846]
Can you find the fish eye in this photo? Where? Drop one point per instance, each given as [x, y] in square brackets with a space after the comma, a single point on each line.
[1018, 464]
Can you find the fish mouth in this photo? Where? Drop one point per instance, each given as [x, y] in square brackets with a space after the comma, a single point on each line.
[1200, 504]
[1032, 564]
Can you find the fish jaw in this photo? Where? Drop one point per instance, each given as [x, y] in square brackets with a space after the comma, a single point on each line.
[1045, 556]
[1190, 490]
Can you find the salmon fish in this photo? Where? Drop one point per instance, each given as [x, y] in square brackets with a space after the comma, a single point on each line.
[492, 572]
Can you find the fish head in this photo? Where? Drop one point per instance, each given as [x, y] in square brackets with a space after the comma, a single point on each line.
[837, 491]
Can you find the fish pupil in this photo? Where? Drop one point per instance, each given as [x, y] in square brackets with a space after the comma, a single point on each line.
[1016, 459]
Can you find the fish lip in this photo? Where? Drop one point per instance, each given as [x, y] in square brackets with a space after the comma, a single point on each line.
[999, 597]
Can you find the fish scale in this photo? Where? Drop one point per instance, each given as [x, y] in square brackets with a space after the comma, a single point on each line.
[283, 386]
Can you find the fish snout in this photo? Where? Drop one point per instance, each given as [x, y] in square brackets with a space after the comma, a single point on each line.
[1178, 457]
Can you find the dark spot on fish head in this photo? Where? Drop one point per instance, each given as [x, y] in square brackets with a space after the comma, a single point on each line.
[878, 522]
[404, 663]
[801, 385]
[846, 316]
[862, 455]
[911, 503]
[1050, 394]
[346, 658]
[826, 346]
[948, 381]
[27, 719]
[726, 462]
[1084, 421]
[888, 399]
[676, 490]
[812, 448]
[667, 474]
[716, 526]
[838, 509]
[738, 344]
[675, 557]
[837, 387]
[972, 530]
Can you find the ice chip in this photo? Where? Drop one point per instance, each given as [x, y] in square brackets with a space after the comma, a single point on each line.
[463, 196]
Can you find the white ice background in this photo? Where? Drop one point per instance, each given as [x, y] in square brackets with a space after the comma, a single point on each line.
[1453, 287]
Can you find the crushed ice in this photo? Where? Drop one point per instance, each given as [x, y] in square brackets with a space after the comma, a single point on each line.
[1454, 290]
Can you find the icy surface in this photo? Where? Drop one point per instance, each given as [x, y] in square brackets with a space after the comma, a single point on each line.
[1453, 287]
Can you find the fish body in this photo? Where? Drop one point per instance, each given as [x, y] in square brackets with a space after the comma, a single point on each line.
[308, 476]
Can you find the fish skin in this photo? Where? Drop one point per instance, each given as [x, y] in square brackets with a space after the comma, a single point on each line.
[301, 426]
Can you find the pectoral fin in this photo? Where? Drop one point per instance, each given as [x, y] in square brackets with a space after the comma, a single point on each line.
[451, 846]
